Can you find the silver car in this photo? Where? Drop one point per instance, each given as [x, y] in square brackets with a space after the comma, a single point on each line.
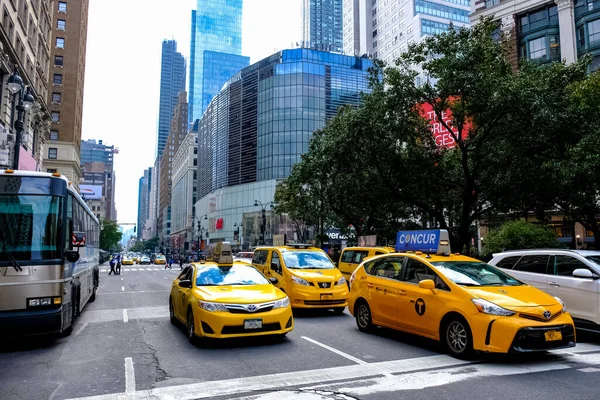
[571, 275]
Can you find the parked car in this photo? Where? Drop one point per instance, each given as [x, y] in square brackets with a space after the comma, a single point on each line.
[572, 275]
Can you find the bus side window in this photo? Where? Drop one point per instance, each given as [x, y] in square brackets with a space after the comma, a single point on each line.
[69, 225]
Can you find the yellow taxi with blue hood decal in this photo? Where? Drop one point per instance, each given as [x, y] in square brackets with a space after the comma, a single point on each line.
[462, 302]
[222, 298]
[306, 274]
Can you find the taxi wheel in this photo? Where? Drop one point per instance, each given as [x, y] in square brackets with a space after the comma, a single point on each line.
[363, 317]
[191, 328]
[458, 338]
[172, 312]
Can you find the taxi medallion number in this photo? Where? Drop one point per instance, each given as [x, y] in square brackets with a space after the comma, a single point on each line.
[252, 323]
[553, 335]
[326, 296]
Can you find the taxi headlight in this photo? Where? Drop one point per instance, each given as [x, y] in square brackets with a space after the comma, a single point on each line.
[341, 281]
[487, 307]
[212, 307]
[282, 303]
[564, 309]
[300, 281]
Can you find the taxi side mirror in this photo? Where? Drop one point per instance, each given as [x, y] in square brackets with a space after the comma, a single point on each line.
[427, 284]
[185, 284]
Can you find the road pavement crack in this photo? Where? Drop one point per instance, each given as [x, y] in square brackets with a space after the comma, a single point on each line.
[152, 360]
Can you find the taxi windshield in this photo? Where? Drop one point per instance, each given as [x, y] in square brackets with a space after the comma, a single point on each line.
[307, 260]
[474, 273]
[225, 276]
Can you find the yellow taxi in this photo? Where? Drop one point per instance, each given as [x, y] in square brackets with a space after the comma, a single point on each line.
[135, 258]
[351, 257]
[221, 298]
[160, 259]
[127, 260]
[462, 302]
[306, 274]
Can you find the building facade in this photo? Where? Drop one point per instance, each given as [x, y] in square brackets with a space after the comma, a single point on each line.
[98, 171]
[172, 81]
[152, 224]
[322, 25]
[143, 202]
[65, 95]
[177, 133]
[386, 27]
[215, 51]
[256, 129]
[25, 45]
[544, 31]
[183, 195]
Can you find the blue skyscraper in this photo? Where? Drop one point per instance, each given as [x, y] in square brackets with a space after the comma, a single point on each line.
[322, 24]
[215, 51]
[172, 81]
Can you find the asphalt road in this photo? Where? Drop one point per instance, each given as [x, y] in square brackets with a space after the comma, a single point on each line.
[123, 347]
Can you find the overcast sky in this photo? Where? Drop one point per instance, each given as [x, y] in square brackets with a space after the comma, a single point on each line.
[122, 77]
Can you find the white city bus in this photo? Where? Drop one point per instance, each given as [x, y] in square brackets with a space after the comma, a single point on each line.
[49, 253]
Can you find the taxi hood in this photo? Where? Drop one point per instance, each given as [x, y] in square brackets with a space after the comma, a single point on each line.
[513, 296]
[321, 275]
[239, 294]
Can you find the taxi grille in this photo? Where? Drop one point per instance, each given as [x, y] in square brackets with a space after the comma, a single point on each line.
[533, 339]
[323, 302]
[243, 311]
[323, 285]
[230, 330]
[540, 319]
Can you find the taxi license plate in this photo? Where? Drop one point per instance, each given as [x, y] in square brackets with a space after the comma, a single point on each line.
[252, 323]
[326, 296]
[553, 335]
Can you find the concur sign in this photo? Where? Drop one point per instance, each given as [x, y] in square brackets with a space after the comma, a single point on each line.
[428, 241]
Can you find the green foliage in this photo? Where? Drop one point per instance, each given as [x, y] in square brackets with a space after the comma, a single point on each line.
[514, 235]
[145, 245]
[110, 236]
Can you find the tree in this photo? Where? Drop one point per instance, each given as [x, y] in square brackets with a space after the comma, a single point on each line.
[110, 236]
[515, 235]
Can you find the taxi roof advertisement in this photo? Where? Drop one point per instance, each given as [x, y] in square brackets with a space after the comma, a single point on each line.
[427, 241]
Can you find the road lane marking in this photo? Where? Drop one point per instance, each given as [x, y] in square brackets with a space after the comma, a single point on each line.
[129, 376]
[125, 316]
[122, 288]
[121, 278]
[140, 291]
[408, 374]
[336, 351]
[81, 328]
[133, 269]
[165, 277]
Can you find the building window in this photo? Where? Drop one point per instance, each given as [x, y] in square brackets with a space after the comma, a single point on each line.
[56, 97]
[53, 135]
[60, 43]
[58, 61]
[491, 3]
[52, 170]
[55, 116]
[61, 24]
[57, 79]
[52, 153]
[537, 48]
[595, 64]
[62, 6]
[594, 33]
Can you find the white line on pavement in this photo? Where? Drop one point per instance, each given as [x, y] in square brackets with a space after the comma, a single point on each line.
[122, 288]
[133, 269]
[336, 351]
[125, 316]
[121, 278]
[129, 376]
[81, 328]
[165, 277]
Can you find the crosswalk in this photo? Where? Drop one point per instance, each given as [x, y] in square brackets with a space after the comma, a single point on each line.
[142, 269]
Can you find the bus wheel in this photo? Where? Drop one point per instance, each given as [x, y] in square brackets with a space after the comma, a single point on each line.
[68, 331]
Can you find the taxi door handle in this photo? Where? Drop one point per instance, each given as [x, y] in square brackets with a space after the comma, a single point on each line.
[401, 292]
[370, 285]
[553, 284]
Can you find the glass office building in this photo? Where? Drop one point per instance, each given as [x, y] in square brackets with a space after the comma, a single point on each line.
[322, 24]
[172, 81]
[215, 51]
[260, 123]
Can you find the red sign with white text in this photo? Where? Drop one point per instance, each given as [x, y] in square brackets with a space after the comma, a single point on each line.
[219, 223]
[443, 137]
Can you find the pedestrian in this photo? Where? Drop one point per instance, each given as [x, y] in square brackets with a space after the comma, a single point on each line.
[180, 260]
[113, 264]
[118, 264]
[171, 263]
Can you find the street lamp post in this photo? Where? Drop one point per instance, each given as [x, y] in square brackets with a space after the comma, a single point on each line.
[264, 218]
[201, 231]
[25, 102]
[236, 232]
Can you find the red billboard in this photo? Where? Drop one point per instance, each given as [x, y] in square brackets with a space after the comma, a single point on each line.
[443, 137]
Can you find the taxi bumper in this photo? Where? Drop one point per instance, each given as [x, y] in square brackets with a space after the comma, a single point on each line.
[222, 325]
[517, 335]
[311, 297]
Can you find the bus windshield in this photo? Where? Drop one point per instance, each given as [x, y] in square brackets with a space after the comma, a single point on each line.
[30, 227]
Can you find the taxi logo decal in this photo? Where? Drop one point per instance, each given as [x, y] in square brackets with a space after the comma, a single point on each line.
[502, 291]
[420, 307]
[547, 314]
